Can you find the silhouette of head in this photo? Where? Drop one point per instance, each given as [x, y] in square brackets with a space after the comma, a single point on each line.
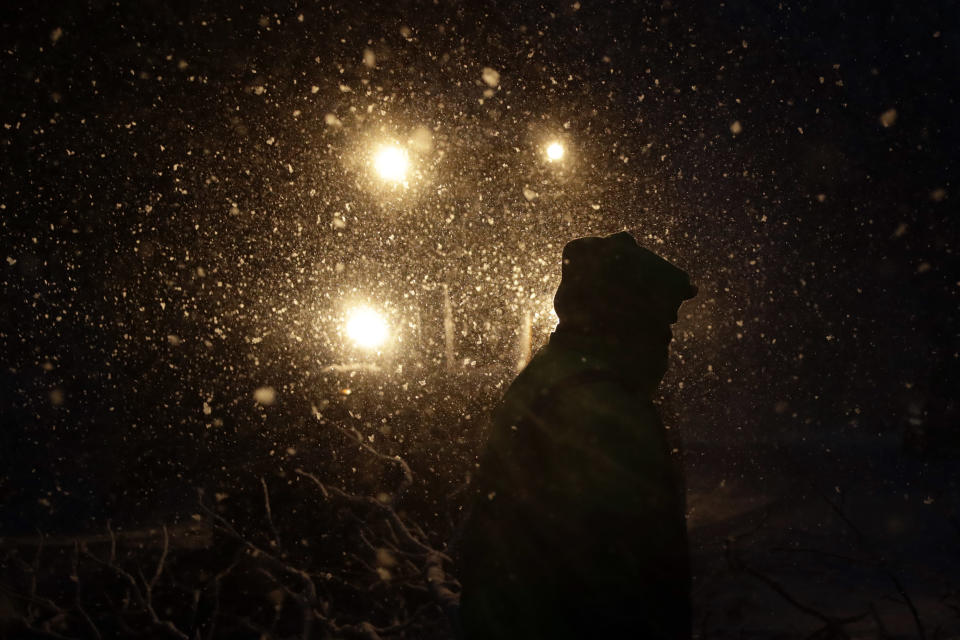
[611, 286]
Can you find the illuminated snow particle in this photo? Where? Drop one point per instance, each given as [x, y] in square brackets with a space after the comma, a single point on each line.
[366, 328]
[265, 395]
[736, 128]
[555, 151]
[491, 77]
[888, 118]
[391, 163]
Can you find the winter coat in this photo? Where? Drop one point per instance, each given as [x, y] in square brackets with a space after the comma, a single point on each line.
[577, 527]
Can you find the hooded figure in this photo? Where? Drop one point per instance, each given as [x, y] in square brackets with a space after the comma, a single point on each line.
[577, 527]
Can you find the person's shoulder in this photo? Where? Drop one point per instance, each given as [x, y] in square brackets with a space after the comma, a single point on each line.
[548, 367]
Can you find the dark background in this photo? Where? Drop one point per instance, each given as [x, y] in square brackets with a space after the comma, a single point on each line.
[181, 224]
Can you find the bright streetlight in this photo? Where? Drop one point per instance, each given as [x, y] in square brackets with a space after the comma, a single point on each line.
[366, 327]
[555, 151]
[391, 163]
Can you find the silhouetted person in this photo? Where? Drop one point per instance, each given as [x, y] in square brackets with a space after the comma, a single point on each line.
[577, 525]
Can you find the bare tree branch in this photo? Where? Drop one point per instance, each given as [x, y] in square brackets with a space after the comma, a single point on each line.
[373, 504]
[880, 560]
[831, 623]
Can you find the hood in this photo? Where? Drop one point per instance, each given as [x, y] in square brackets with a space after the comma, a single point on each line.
[611, 285]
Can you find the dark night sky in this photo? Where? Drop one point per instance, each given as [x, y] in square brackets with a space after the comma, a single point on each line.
[185, 206]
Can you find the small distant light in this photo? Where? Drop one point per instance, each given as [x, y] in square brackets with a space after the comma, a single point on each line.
[555, 151]
[391, 163]
[366, 327]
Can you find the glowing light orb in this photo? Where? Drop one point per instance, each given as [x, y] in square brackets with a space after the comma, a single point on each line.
[391, 163]
[366, 328]
[555, 151]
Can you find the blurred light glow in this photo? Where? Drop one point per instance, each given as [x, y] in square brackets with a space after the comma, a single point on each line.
[547, 314]
[555, 151]
[552, 318]
[366, 328]
[391, 163]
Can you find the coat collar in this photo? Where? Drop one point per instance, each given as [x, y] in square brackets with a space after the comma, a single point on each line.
[638, 365]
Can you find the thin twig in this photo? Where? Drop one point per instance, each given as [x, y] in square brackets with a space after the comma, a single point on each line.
[881, 628]
[406, 479]
[269, 557]
[77, 604]
[266, 504]
[35, 571]
[216, 599]
[51, 608]
[145, 601]
[163, 557]
[439, 585]
[113, 544]
[376, 505]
